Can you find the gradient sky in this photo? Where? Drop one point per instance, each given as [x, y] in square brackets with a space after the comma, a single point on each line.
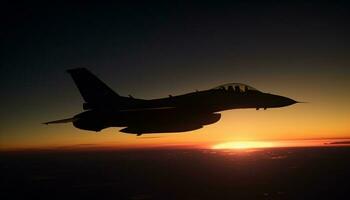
[151, 50]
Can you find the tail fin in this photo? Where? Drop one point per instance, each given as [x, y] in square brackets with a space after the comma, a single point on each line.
[92, 89]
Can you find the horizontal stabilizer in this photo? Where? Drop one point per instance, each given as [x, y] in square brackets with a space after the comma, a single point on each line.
[61, 121]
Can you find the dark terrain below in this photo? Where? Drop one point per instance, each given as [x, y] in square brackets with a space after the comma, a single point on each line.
[277, 173]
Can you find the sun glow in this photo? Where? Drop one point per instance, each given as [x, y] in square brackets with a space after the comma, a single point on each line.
[243, 145]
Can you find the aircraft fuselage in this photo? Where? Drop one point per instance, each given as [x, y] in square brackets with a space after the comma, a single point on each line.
[104, 108]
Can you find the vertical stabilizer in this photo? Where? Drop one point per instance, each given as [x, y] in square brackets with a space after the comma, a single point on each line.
[92, 89]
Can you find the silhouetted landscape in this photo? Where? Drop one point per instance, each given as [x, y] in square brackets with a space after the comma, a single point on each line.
[277, 173]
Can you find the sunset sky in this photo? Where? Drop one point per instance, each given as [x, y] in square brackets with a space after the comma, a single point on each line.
[298, 50]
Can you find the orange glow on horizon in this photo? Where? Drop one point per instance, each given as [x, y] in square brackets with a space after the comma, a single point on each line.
[238, 145]
[243, 145]
[275, 144]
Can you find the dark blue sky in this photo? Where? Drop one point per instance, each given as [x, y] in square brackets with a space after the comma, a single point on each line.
[139, 40]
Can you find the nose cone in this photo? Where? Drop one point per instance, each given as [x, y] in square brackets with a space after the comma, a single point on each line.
[276, 101]
[287, 101]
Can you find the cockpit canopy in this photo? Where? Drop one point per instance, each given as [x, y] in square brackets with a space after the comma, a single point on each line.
[235, 87]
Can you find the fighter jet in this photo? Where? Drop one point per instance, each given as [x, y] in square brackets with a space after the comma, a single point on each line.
[105, 108]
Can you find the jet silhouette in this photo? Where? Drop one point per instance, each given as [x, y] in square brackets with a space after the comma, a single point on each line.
[105, 108]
